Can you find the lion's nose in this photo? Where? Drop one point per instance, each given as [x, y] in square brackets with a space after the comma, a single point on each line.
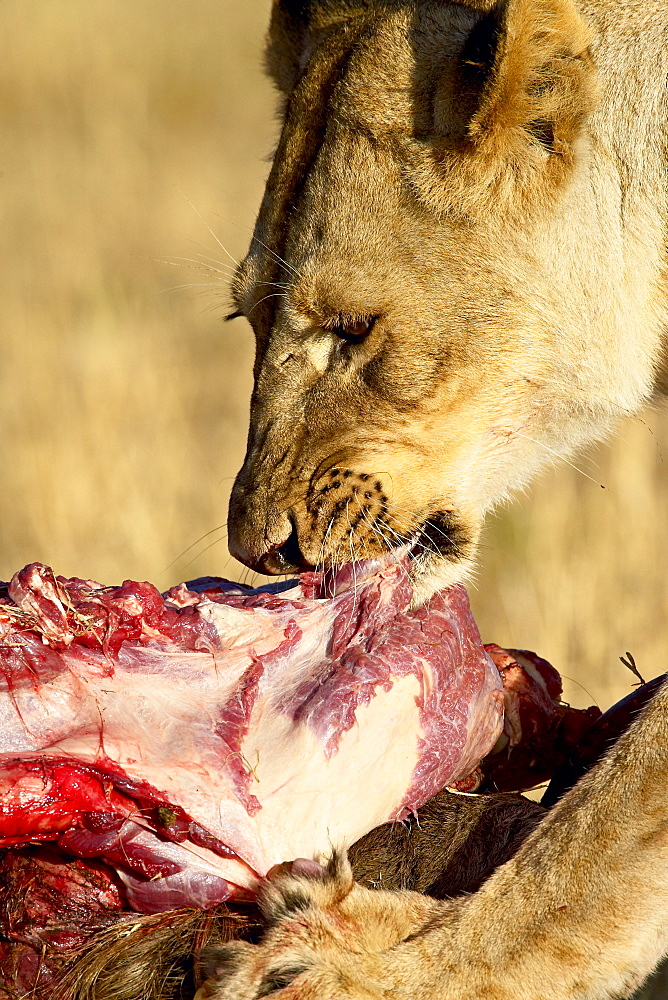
[286, 557]
[249, 544]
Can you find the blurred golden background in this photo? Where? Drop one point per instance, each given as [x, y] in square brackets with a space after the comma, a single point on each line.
[136, 136]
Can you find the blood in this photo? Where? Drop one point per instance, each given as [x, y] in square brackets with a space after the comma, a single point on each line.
[169, 750]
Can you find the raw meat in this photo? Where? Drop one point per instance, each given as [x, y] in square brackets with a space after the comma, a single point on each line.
[51, 908]
[191, 742]
[539, 730]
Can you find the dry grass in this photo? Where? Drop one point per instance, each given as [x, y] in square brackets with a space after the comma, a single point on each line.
[123, 399]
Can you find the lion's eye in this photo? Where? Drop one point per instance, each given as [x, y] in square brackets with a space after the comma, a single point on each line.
[353, 330]
[278, 980]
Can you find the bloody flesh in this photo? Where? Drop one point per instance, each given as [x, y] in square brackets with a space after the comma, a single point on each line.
[192, 741]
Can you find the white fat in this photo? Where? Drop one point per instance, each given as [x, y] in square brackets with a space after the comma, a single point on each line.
[319, 796]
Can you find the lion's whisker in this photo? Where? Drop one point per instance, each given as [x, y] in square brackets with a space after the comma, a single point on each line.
[191, 284]
[271, 295]
[207, 534]
[178, 261]
[211, 232]
[277, 257]
[553, 452]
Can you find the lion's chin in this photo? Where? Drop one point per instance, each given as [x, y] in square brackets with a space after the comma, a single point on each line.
[430, 573]
[441, 553]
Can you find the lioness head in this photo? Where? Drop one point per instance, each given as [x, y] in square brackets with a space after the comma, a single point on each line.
[420, 279]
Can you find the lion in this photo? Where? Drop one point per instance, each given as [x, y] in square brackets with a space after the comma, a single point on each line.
[579, 913]
[458, 272]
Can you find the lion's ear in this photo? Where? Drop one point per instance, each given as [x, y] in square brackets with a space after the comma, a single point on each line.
[285, 42]
[525, 76]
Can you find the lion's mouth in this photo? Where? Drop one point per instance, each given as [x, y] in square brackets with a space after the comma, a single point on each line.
[288, 557]
[443, 536]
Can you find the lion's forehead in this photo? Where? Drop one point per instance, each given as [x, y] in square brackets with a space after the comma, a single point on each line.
[392, 64]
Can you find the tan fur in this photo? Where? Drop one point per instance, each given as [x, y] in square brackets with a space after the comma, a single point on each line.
[580, 912]
[487, 181]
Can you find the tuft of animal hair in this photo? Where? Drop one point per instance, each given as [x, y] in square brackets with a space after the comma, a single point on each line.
[149, 957]
[543, 76]
[285, 42]
[527, 83]
[292, 28]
